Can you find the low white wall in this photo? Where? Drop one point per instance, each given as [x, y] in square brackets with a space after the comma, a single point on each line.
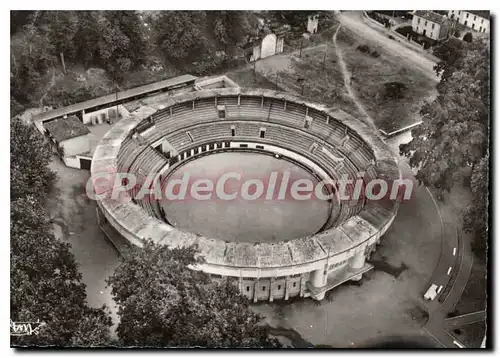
[72, 162]
[77, 145]
[104, 114]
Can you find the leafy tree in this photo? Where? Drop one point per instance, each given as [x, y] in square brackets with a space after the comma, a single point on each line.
[121, 46]
[61, 27]
[18, 19]
[46, 285]
[454, 135]
[29, 160]
[232, 28]
[450, 53]
[468, 37]
[162, 302]
[476, 214]
[35, 57]
[88, 35]
[180, 34]
[295, 18]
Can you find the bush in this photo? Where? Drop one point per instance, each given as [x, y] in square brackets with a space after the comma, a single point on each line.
[346, 37]
[468, 37]
[394, 90]
[391, 37]
[375, 16]
[364, 48]
[396, 13]
[405, 30]
[375, 54]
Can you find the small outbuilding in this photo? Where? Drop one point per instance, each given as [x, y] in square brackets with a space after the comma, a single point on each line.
[312, 23]
[72, 139]
[268, 45]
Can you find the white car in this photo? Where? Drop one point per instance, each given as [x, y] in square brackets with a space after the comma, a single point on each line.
[431, 293]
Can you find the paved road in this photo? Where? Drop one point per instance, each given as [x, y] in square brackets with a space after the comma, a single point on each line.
[436, 326]
[455, 254]
[355, 21]
[464, 319]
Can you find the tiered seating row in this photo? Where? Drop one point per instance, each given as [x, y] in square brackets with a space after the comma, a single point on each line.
[125, 157]
[273, 111]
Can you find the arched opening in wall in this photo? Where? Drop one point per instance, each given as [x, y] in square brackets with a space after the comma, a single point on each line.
[307, 122]
[221, 111]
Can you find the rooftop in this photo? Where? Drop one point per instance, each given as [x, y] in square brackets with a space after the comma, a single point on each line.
[66, 128]
[115, 97]
[430, 15]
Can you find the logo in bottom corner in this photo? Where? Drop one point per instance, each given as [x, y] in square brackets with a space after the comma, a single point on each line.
[25, 328]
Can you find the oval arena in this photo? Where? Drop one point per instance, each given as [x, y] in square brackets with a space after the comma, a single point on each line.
[277, 251]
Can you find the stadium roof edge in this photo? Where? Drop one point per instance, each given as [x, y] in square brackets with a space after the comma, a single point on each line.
[114, 97]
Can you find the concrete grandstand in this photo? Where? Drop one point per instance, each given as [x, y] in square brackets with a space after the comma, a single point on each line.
[164, 136]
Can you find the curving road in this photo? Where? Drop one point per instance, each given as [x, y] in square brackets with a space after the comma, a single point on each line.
[453, 268]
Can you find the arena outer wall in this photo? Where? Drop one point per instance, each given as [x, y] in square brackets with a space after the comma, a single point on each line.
[305, 267]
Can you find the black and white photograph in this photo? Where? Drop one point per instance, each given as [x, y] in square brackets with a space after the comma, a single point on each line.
[266, 179]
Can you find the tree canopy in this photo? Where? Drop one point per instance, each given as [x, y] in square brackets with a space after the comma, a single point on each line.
[184, 37]
[46, 285]
[45, 282]
[29, 160]
[162, 302]
[476, 214]
[452, 143]
[113, 40]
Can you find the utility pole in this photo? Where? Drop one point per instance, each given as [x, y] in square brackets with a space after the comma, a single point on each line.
[62, 62]
[301, 42]
[301, 81]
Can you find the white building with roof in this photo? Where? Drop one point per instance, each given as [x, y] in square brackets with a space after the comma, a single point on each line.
[478, 20]
[430, 24]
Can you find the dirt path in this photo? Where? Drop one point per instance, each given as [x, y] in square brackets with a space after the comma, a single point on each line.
[354, 21]
[347, 82]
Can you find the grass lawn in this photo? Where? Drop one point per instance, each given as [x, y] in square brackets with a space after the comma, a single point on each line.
[307, 76]
[247, 78]
[370, 74]
[321, 78]
[471, 335]
[474, 297]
